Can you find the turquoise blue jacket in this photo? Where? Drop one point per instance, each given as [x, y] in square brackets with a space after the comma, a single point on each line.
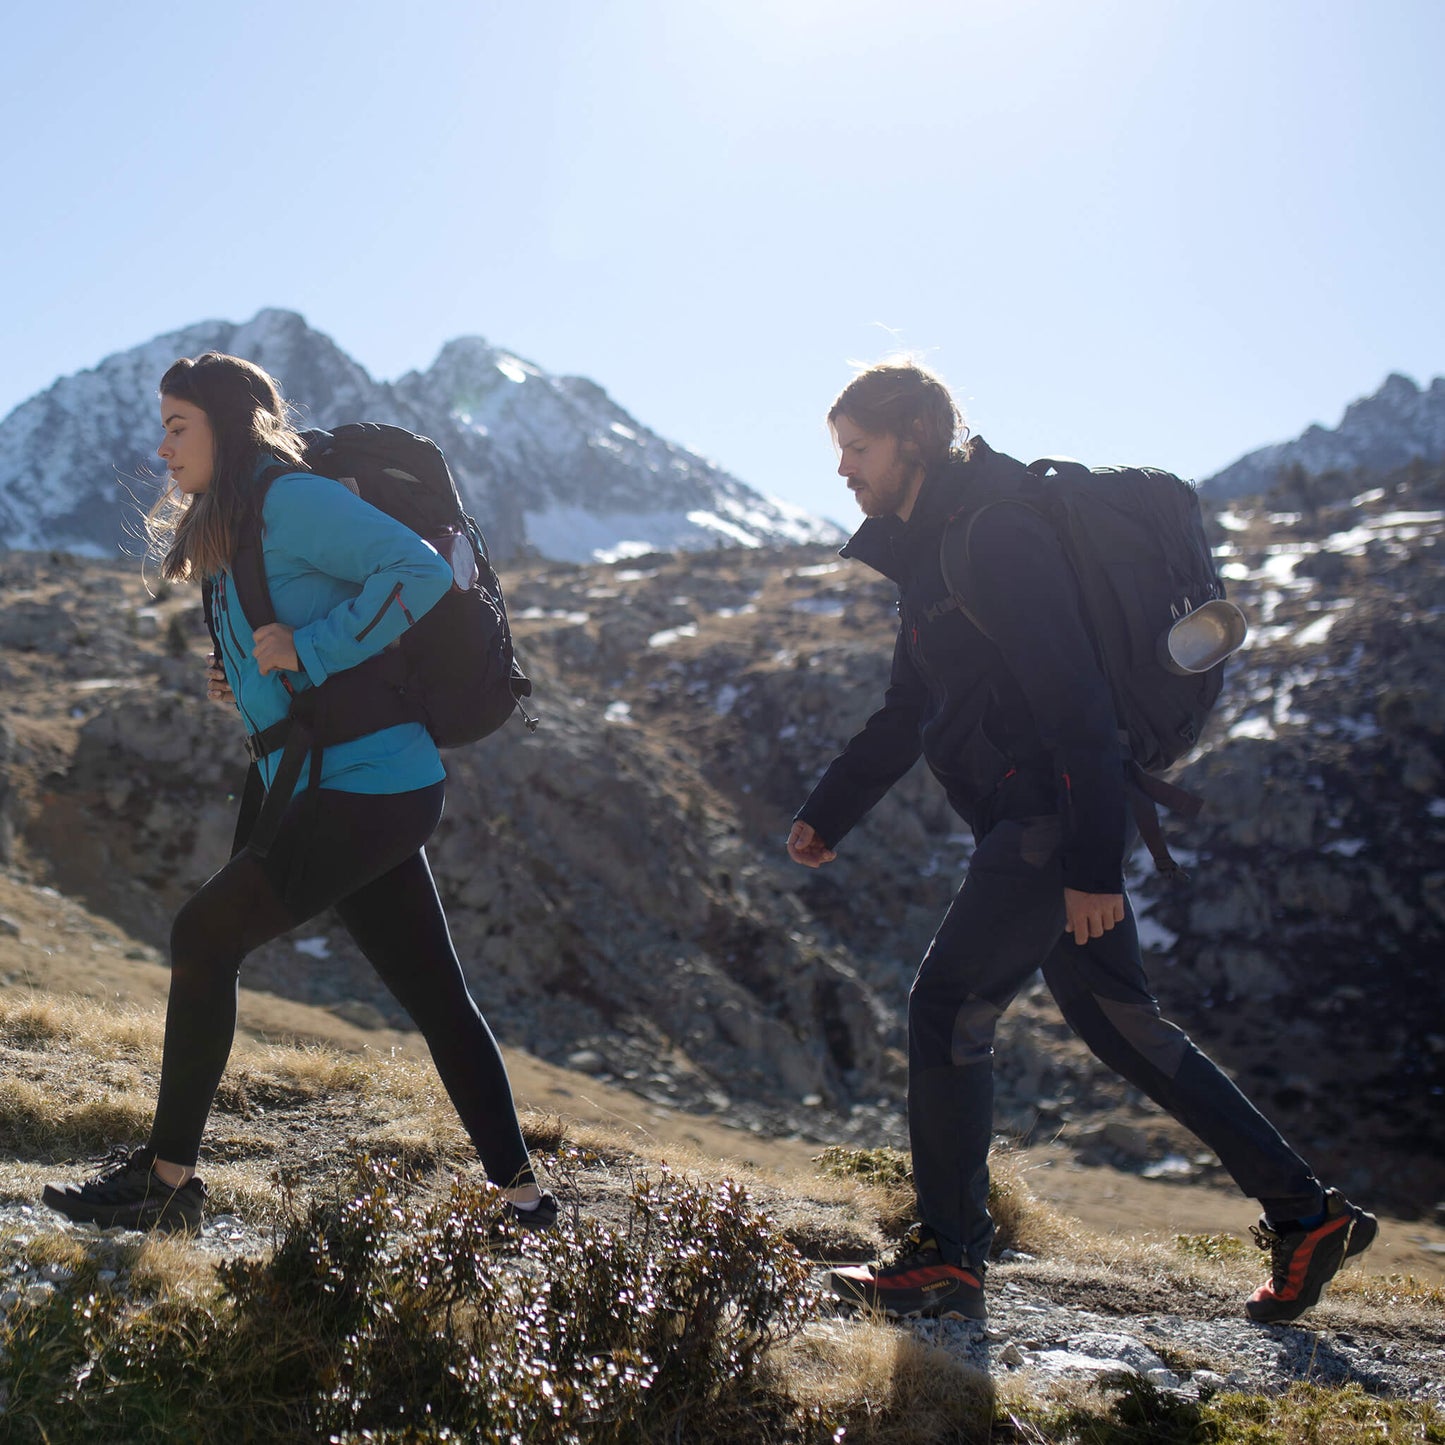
[349, 580]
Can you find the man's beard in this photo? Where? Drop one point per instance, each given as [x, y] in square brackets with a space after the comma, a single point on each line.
[884, 497]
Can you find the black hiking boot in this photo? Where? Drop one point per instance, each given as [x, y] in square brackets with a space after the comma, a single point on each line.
[127, 1194]
[916, 1282]
[544, 1216]
[1303, 1261]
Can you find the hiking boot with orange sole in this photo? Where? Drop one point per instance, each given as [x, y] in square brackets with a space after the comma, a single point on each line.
[918, 1282]
[1303, 1261]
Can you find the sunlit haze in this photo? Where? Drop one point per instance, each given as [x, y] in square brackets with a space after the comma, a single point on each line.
[1124, 230]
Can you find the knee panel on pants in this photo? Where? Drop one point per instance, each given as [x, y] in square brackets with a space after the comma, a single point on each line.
[1154, 1039]
[973, 1030]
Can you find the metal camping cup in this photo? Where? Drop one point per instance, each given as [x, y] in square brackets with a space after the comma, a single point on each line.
[456, 547]
[1203, 638]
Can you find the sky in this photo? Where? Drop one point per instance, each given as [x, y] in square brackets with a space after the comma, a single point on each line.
[1149, 231]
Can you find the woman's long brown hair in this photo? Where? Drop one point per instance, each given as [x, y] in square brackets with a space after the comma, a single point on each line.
[195, 536]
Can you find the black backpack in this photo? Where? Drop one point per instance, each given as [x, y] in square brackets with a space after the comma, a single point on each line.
[1154, 607]
[455, 669]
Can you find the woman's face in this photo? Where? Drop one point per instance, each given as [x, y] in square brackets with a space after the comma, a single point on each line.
[189, 446]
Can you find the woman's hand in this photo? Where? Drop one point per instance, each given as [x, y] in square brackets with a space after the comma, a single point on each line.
[217, 688]
[275, 651]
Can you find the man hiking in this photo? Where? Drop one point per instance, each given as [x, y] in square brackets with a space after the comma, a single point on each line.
[1016, 721]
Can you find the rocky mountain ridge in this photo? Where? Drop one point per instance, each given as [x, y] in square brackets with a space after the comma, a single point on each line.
[552, 463]
[617, 885]
[1397, 425]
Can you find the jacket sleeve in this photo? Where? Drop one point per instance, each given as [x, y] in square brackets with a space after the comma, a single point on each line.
[1016, 581]
[874, 759]
[401, 576]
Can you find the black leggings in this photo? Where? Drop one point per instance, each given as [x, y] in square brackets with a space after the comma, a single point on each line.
[362, 854]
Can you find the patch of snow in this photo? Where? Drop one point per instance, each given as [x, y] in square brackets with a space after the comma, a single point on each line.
[821, 570]
[1280, 564]
[512, 369]
[1316, 631]
[745, 610]
[1254, 726]
[1171, 1166]
[617, 712]
[1231, 521]
[727, 696]
[1349, 544]
[1345, 847]
[669, 635]
[622, 551]
[1410, 519]
[1375, 494]
[728, 529]
[1285, 519]
[312, 947]
[542, 614]
[820, 606]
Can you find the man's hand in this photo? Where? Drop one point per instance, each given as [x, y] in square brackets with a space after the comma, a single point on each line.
[217, 688]
[1091, 915]
[807, 848]
[274, 650]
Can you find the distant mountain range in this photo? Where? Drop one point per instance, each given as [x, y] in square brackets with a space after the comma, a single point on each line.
[1399, 424]
[550, 464]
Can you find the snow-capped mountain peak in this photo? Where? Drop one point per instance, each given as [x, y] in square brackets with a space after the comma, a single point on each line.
[547, 463]
[1397, 424]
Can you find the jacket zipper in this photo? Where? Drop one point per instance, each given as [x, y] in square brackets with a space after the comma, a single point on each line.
[240, 651]
[393, 596]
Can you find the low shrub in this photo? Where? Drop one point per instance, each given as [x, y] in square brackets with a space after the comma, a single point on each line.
[375, 1319]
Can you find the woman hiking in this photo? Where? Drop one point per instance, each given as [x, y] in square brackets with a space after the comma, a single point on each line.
[346, 580]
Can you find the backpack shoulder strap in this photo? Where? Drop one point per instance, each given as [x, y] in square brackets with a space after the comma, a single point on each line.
[248, 565]
[208, 608]
[968, 516]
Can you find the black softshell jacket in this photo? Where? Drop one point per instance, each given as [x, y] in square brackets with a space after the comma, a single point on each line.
[1014, 723]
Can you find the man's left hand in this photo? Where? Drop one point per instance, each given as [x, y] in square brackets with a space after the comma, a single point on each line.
[274, 650]
[1091, 915]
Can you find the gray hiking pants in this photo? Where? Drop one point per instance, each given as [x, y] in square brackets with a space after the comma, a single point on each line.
[1007, 921]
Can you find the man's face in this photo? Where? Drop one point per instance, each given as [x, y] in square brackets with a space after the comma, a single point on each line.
[881, 478]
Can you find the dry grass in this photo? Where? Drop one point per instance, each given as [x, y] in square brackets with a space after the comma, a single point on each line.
[886, 1387]
[77, 1076]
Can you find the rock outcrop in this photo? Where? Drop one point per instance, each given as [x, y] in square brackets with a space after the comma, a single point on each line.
[617, 883]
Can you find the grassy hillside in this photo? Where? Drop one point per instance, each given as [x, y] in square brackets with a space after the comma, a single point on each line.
[360, 1286]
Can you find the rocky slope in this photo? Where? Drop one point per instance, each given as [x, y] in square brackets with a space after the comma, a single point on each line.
[552, 463]
[618, 888]
[1399, 424]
